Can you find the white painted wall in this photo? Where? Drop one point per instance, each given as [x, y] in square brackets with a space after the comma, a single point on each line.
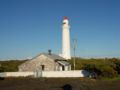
[79, 73]
[66, 39]
[16, 74]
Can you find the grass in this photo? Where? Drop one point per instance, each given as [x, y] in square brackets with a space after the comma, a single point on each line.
[111, 79]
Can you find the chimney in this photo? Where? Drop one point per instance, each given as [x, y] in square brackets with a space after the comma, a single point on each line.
[49, 52]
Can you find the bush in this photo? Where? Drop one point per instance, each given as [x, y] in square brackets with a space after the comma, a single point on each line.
[107, 71]
[10, 66]
[92, 68]
[117, 63]
[102, 67]
[1, 69]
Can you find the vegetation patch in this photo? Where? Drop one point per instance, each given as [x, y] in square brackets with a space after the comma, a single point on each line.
[101, 67]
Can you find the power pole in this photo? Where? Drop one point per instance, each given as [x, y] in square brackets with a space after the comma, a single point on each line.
[74, 49]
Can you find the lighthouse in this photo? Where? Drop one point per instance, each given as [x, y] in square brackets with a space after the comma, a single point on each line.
[66, 39]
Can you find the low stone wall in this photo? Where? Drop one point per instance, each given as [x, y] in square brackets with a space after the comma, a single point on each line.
[80, 73]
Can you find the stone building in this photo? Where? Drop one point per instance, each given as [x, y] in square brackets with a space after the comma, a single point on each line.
[45, 62]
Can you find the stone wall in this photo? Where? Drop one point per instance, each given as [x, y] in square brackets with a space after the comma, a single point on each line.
[35, 64]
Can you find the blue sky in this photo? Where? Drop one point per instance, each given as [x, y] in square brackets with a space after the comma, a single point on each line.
[29, 27]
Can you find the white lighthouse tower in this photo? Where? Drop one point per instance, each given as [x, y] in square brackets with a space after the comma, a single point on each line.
[66, 39]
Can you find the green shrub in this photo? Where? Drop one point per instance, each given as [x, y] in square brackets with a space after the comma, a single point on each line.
[10, 66]
[102, 67]
[117, 63]
[107, 71]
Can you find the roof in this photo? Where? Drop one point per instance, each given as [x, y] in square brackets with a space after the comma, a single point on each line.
[63, 63]
[52, 56]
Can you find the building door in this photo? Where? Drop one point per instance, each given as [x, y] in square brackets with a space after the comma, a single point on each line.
[42, 67]
[63, 68]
